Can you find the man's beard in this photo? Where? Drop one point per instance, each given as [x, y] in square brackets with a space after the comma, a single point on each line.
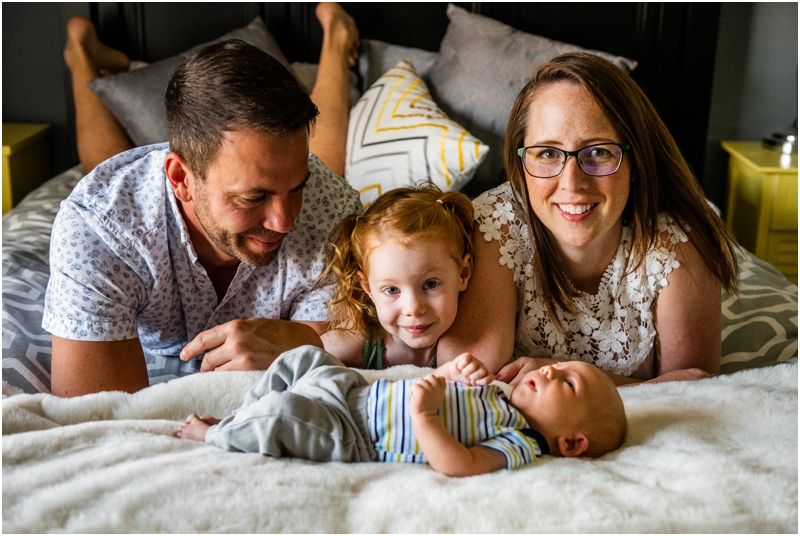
[234, 244]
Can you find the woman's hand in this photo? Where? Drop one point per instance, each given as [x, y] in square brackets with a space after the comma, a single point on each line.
[511, 373]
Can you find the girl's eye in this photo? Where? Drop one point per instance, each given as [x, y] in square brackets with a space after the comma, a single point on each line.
[572, 385]
[391, 291]
[430, 285]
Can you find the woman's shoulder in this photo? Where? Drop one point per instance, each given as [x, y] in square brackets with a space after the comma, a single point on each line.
[670, 231]
[499, 213]
[499, 195]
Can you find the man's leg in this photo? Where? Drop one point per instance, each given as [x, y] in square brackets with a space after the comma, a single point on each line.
[99, 135]
[331, 91]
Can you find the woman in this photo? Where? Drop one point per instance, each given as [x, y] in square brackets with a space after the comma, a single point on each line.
[601, 247]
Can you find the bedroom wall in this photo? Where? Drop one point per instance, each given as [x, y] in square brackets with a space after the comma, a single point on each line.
[755, 82]
[36, 83]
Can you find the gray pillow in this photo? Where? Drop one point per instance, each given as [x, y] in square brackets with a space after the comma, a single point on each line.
[377, 57]
[136, 98]
[481, 67]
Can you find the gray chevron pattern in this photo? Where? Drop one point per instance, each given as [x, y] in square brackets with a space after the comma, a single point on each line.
[27, 348]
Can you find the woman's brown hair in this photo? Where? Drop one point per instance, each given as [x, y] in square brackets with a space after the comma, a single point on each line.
[404, 216]
[661, 179]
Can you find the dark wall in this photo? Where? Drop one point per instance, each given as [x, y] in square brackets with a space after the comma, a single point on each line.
[755, 82]
[35, 79]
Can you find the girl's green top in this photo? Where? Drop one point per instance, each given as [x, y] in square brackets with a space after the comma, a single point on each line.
[372, 355]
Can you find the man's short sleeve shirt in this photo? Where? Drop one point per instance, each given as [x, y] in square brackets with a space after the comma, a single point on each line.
[122, 265]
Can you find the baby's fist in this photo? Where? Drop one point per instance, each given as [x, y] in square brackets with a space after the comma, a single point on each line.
[427, 394]
[472, 370]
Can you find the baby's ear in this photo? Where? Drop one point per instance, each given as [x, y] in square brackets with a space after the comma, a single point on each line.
[364, 283]
[573, 446]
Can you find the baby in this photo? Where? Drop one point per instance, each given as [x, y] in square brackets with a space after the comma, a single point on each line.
[308, 405]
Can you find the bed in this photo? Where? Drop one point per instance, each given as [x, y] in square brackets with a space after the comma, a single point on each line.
[718, 455]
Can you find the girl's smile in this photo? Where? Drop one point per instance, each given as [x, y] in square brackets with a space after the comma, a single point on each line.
[415, 290]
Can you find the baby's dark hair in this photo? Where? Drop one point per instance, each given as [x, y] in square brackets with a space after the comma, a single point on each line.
[609, 424]
[404, 216]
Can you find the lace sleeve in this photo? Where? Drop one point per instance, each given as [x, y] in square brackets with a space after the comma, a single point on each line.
[499, 217]
[663, 260]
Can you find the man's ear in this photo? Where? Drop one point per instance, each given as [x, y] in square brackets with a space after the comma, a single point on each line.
[179, 176]
[364, 283]
[573, 446]
[466, 271]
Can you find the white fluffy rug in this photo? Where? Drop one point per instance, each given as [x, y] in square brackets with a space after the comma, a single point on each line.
[719, 455]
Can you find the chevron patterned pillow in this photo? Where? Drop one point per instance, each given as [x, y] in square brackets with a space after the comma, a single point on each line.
[398, 136]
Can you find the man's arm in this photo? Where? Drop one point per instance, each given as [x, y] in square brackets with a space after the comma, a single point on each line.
[443, 452]
[83, 367]
[251, 344]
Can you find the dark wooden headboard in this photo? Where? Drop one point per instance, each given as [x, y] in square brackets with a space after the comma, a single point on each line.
[674, 43]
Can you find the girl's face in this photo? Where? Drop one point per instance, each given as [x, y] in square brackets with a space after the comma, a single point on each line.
[415, 289]
[577, 209]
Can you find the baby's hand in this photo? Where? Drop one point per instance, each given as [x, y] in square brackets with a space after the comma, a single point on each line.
[427, 394]
[468, 369]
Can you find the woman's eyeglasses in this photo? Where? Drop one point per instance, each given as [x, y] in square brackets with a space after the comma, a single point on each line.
[545, 162]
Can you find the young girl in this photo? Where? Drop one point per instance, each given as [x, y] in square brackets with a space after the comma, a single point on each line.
[399, 270]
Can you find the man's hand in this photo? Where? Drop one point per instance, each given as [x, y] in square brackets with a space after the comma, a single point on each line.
[427, 395]
[466, 368]
[251, 344]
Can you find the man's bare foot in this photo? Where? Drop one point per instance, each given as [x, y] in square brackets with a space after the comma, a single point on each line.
[195, 427]
[84, 50]
[338, 29]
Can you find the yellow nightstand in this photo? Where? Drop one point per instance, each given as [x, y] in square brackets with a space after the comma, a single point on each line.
[762, 203]
[26, 160]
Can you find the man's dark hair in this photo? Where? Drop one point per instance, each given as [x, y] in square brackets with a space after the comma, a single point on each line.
[230, 86]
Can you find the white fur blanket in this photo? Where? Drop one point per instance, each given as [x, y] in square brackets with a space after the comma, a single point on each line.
[719, 455]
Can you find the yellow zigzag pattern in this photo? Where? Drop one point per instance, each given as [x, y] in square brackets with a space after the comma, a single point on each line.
[413, 106]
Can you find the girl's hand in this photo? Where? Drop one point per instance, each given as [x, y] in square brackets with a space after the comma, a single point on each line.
[466, 368]
[427, 395]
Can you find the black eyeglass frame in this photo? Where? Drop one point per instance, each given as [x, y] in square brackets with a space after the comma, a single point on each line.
[624, 148]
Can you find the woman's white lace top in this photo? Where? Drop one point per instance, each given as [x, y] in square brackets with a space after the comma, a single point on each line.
[614, 329]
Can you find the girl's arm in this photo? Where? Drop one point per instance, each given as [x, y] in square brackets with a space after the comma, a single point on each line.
[443, 452]
[486, 318]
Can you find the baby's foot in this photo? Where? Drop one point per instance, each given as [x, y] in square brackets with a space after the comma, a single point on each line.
[84, 49]
[195, 427]
[339, 29]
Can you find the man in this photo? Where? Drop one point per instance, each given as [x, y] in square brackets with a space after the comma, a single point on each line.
[228, 222]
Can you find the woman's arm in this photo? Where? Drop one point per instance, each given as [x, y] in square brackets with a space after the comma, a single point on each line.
[486, 316]
[521, 366]
[688, 319]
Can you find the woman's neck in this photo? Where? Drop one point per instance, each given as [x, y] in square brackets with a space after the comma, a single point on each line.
[585, 265]
[396, 352]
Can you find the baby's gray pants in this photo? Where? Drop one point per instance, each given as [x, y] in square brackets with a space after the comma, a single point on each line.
[307, 405]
